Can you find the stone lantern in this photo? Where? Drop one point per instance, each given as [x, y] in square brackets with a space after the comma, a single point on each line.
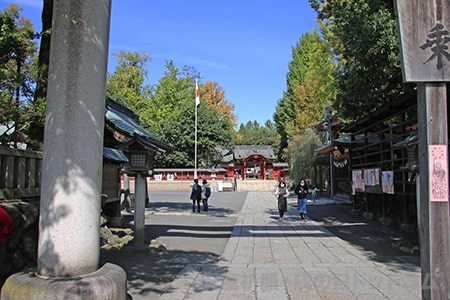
[140, 153]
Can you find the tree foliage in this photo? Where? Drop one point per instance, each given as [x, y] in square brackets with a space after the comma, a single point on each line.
[127, 83]
[214, 97]
[363, 36]
[318, 87]
[302, 158]
[167, 96]
[17, 48]
[252, 133]
[213, 130]
[310, 86]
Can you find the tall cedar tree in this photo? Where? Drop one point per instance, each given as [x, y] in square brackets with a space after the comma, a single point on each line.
[364, 39]
[310, 86]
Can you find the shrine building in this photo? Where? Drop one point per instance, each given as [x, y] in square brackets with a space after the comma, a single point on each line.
[253, 162]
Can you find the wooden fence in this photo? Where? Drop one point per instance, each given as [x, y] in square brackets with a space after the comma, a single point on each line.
[20, 173]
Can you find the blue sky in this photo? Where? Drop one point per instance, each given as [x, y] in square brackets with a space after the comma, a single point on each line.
[245, 46]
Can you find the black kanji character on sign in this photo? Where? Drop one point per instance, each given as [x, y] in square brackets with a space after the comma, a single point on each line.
[437, 42]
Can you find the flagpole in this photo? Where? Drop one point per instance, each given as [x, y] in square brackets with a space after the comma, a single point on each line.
[195, 142]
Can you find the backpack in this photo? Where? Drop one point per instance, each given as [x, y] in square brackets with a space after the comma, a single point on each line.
[207, 191]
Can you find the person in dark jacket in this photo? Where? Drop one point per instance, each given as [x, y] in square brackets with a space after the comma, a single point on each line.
[206, 193]
[282, 193]
[196, 195]
[301, 190]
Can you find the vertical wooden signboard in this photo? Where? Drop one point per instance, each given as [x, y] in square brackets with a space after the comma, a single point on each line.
[424, 36]
[423, 27]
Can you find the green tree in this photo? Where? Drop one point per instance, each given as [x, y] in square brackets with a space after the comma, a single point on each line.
[302, 158]
[127, 83]
[213, 130]
[363, 36]
[318, 88]
[173, 88]
[17, 47]
[310, 86]
[252, 133]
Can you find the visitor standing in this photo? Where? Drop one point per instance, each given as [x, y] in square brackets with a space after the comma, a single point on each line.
[206, 193]
[196, 195]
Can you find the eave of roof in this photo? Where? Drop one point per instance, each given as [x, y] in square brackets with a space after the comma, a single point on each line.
[139, 140]
[245, 151]
[124, 120]
[387, 109]
[411, 139]
[114, 155]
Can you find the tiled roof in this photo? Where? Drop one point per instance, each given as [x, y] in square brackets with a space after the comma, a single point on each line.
[125, 121]
[114, 154]
[242, 152]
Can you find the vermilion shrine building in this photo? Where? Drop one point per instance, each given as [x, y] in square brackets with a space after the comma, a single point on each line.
[253, 162]
[244, 162]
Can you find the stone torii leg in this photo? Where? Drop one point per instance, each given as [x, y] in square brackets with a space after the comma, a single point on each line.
[69, 243]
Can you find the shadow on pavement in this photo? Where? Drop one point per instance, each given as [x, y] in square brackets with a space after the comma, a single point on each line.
[185, 207]
[372, 237]
[150, 274]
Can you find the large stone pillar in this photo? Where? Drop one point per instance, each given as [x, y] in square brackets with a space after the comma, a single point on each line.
[73, 140]
[68, 248]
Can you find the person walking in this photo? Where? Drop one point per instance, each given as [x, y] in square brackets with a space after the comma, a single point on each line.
[301, 190]
[206, 193]
[196, 195]
[282, 193]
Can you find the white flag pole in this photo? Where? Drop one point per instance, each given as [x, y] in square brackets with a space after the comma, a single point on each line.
[197, 100]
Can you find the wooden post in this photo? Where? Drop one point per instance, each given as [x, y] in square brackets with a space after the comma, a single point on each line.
[433, 197]
[423, 27]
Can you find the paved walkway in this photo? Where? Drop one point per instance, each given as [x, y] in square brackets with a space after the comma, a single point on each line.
[292, 259]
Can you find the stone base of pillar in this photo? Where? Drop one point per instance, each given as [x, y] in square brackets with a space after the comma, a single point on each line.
[108, 282]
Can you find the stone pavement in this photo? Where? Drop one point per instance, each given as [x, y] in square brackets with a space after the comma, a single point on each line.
[292, 259]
